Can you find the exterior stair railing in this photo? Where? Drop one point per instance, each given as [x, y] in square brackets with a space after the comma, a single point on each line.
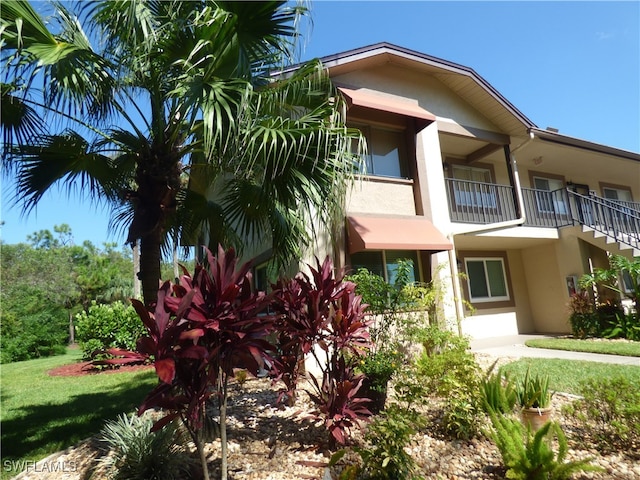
[614, 219]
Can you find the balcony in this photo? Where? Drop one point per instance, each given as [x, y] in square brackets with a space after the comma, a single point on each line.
[483, 203]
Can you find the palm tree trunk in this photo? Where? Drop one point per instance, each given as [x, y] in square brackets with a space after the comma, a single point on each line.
[136, 270]
[150, 265]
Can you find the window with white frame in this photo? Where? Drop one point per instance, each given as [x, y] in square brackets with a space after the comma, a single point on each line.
[619, 194]
[486, 279]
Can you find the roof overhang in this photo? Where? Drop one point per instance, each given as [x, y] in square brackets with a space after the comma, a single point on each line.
[555, 137]
[369, 232]
[365, 99]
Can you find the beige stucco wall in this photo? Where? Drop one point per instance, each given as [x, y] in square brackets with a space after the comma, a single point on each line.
[385, 196]
[547, 289]
[510, 320]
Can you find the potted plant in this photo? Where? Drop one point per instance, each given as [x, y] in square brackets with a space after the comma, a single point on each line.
[378, 366]
[534, 397]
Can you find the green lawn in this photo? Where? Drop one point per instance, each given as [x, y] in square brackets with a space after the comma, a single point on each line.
[612, 347]
[42, 414]
[567, 375]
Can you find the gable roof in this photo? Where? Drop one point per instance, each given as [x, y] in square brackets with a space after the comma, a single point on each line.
[462, 80]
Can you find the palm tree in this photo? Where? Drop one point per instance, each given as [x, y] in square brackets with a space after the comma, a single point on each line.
[153, 105]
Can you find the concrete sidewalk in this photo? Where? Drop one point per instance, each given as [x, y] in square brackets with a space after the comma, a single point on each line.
[513, 346]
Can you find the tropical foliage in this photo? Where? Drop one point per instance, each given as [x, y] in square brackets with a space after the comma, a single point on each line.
[320, 315]
[167, 111]
[605, 316]
[198, 332]
[137, 452]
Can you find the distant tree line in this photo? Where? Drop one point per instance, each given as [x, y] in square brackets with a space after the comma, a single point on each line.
[47, 280]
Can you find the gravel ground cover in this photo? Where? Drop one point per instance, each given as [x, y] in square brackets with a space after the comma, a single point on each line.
[270, 442]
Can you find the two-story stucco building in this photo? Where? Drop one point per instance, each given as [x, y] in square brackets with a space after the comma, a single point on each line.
[457, 175]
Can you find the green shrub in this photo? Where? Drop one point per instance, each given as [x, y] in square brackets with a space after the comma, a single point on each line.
[384, 456]
[140, 454]
[531, 457]
[584, 320]
[610, 409]
[108, 326]
[448, 369]
[624, 326]
[34, 336]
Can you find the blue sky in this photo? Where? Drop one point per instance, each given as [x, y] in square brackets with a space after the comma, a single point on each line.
[573, 65]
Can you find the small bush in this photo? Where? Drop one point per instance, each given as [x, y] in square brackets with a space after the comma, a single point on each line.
[108, 326]
[529, 456]
[140, 454]
[584, 320]
[448, 369]
[610, 409]
[384, 456]
[624, 326]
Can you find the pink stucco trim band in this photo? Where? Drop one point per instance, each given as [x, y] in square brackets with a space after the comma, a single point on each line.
[394, 233]
[360, 98]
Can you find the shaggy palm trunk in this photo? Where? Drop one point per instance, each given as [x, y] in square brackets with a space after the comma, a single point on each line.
[150, 265]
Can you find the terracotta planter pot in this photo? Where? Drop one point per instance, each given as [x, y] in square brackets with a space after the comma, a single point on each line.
[535, 418]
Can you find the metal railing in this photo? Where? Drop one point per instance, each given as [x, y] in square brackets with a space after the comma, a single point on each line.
[608, 217]
[633, 206]
[483, 203]
[545, 208]
[478, 202]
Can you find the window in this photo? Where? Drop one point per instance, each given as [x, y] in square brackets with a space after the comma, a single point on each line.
[386, 155]
[551, 202]
[486, 279]
[627, 282]
[617, 194]
[261, 278]
[385, 263]
[480, 194]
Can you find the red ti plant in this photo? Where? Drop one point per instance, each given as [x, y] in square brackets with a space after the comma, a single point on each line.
[200, 330]
[323, 312]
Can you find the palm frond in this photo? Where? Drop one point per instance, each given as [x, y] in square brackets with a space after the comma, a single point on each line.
[67, 158]
[18, 120]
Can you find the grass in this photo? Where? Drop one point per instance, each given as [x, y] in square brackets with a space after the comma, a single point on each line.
[611, 347]
[42, 414]
[568, 375]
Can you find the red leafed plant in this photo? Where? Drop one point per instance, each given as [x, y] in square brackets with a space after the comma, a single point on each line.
[200, 329]
[323, 312]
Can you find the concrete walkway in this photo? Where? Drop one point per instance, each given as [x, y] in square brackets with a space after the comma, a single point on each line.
[513, 346]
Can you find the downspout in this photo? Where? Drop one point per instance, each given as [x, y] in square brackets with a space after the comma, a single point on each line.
[515, 180]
